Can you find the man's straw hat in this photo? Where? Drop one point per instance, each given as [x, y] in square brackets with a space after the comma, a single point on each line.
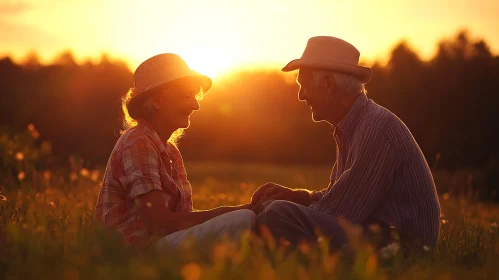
[331, 53]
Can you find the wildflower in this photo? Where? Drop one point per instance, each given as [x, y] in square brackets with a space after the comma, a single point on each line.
[330, 263]
[19, 156]
[426, 248]
[35, 134]
[445, 196]
[444, 221]
[375, 228]
[84, 172]
[371, 265]
[39, 229]
[21, 176]
[191, 271]
[304, 248]
[321, 239]
[73, 176]
[47, 175]
[3, 198]
[95, 175]
[220, 251]
[31, 127]
[284, 242]
[494, 225]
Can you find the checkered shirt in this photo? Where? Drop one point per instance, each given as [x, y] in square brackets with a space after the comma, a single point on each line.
[140, 163]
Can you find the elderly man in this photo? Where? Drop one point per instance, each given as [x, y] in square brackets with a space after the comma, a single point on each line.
[380, 175]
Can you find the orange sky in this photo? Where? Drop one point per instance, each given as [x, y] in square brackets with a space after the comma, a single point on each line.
[218, 34]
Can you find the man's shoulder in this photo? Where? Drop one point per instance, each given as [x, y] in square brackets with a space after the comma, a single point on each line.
[378, 116]
[383, 120]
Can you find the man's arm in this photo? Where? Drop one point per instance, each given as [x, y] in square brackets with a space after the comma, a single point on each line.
[360, 189]
[318, 195]
[273, 191]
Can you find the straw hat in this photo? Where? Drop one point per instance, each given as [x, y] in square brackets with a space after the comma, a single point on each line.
[160, 70]
[331, 53]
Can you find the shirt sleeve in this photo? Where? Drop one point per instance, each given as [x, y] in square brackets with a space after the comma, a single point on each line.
[318, 195]
[360, 189]
[141, 167]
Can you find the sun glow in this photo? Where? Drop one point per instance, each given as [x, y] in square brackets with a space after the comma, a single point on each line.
[216, 36]
[209, 61]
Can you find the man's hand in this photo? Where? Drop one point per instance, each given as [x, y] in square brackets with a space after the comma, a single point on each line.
[272, 191]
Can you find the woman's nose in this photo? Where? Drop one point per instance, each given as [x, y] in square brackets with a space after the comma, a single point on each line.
[302, 95]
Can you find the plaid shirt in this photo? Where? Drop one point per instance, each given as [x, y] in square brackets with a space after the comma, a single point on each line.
[141, 163]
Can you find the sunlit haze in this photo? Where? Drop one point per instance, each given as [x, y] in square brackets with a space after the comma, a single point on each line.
[214, 36]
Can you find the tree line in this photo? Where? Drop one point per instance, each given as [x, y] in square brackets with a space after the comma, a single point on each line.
[449, 102]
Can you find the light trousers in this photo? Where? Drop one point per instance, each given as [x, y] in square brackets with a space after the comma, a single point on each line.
[229, 224]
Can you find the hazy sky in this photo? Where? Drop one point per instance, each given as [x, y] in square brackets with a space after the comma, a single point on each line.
[214, 35]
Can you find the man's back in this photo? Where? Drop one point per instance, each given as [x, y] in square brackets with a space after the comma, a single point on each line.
[381, 174]
[412, 203]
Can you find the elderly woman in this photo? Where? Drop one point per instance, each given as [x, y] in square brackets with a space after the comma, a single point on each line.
[145, 192]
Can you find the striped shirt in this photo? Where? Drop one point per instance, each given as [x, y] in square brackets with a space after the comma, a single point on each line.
[381, 174]
[139, 163]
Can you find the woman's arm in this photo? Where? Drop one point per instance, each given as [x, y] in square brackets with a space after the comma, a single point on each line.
[154, 210]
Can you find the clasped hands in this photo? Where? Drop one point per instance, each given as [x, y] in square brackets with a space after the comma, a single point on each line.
[269, 192]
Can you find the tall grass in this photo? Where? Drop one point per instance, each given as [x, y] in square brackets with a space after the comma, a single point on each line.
[47, 231]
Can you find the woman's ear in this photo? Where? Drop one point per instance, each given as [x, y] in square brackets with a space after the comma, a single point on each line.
[156, 102]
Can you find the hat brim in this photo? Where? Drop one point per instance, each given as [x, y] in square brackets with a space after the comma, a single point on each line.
[361, 72]
[204, 82]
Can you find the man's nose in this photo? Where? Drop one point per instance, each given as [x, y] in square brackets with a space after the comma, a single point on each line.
[194, 105]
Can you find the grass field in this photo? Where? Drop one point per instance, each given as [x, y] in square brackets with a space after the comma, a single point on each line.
[47, 232]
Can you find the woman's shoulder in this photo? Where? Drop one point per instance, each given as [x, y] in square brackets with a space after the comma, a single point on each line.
[132, 137]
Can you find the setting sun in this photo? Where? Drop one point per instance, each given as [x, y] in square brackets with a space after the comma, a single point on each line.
[208, 60]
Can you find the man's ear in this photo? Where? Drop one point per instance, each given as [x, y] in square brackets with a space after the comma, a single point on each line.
[330, 82]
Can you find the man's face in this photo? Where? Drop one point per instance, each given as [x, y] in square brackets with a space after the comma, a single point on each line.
[315, 94]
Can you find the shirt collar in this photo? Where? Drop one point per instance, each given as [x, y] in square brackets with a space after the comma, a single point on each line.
[149, 130]
[347, 124]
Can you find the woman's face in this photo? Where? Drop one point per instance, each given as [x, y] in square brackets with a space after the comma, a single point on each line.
[175, 104]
